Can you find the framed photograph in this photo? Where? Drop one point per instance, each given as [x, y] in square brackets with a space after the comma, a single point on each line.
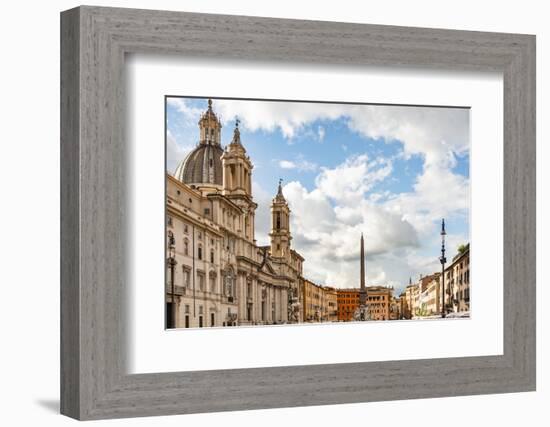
[239, 256]
[261, 213]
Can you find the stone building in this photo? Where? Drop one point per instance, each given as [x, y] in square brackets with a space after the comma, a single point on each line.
[395, 308]
[404, 308]
[457, 281]
[216, 273]
[379, 303]
[330, 304]
[430, 295]
[312, 297]
[348, 303]
[379, 300]
[412, 299]
[320, 303]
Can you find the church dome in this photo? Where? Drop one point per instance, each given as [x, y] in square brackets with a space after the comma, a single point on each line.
[203, 165]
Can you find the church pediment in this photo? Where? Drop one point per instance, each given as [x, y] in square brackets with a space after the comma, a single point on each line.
[267, 268]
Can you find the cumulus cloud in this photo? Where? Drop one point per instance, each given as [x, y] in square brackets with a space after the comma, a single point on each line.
[438, 193]
[328, 220]
[435, 133]
[352, 179]
[174, 152]
[189, 113]
[327, 229]
[287, 117]
[300, 165]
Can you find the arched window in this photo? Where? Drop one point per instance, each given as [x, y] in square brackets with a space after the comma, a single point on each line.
[212, 256]
[278, 222]
[199, 254]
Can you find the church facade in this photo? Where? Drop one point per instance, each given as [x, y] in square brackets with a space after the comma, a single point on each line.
[216, 274]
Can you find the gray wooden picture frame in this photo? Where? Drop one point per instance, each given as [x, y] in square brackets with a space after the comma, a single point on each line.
[94, 381]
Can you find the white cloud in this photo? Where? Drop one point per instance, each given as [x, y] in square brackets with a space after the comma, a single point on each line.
[191, 114]
[300, 165]
[435, 133]
[327, 221]
[438, 193]
[287, 164]
[287, 117]
[174, 153]
[352, 179]
[327, 233]
[320, 133]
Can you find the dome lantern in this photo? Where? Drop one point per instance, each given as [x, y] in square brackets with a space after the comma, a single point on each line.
[203, 165]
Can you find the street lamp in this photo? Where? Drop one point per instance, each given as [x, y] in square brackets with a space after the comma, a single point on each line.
[443, 260]
[172, 263]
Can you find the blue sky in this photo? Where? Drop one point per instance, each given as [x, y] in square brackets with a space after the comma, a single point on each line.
[389, 172]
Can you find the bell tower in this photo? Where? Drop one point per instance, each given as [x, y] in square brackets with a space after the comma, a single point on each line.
[237, 168]
[237, 182]
[280, 225]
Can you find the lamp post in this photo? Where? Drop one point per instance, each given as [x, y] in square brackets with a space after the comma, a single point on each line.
[442, 259]
[172, 263]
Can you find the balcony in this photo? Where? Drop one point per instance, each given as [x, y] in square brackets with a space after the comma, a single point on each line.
[178, 290]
